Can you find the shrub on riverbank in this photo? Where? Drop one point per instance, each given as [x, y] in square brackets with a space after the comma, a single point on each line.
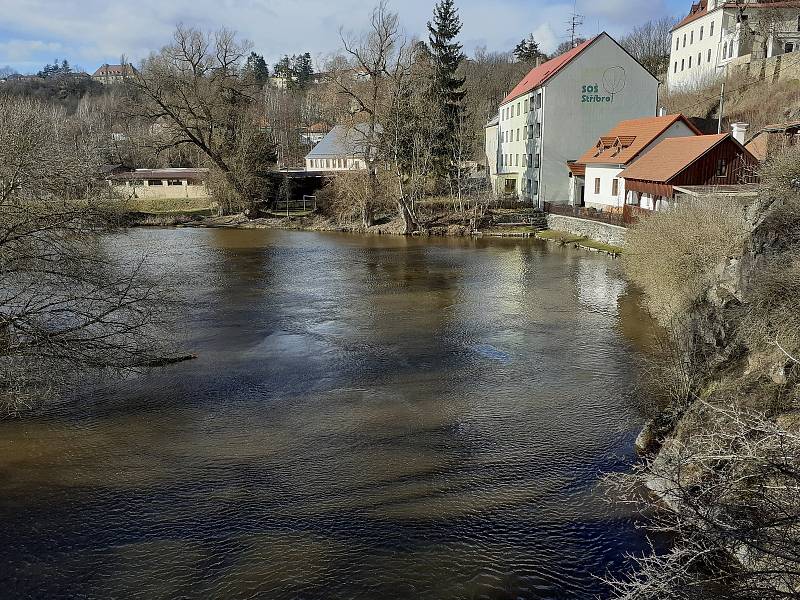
[725, 284]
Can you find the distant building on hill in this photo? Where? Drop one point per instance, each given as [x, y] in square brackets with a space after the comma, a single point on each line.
[719, 33]
[110, 74]
[559, 110]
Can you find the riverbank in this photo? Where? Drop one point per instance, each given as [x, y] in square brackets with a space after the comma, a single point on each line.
[493, 223]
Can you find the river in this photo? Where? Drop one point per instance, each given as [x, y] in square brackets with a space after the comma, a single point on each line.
[369, 417]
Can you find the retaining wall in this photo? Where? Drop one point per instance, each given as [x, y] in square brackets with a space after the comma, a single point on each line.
[601, 232]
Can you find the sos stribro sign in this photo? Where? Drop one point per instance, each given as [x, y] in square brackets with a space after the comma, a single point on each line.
[613, 82]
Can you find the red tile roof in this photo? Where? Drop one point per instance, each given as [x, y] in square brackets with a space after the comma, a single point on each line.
[671, 157]
[539, 75]
[628, 138]
[699, 9]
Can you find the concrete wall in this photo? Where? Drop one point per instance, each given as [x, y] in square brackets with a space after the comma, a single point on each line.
[601, 232]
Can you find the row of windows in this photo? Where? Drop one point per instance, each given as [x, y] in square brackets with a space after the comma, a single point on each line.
[614, 186]
[691, 36]
[512, 160]
[699, 60]
[527, 133]
[516, 109]
[331, 163]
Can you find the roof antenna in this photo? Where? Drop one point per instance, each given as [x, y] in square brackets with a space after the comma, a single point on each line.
[574, 23]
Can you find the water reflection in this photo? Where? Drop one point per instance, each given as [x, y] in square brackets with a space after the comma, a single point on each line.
[369, 417]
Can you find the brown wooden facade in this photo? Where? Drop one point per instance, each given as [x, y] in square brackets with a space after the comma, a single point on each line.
[740, 168]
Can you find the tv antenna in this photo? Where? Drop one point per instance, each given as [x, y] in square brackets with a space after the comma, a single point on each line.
[574, 24]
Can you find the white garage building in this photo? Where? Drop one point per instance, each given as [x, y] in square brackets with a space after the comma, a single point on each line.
[557, 111]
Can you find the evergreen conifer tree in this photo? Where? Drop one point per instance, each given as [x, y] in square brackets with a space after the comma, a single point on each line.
[447, 87]
[527, 50]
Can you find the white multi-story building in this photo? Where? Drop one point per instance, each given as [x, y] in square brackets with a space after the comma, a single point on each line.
[717, 32]
[558, 110]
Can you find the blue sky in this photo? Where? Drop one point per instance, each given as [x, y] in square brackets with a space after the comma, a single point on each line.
[91, 32]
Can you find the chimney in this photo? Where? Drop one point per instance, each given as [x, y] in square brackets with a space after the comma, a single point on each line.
[662, 112]
[739, 131]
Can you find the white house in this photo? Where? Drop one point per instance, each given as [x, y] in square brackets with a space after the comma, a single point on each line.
[559, 109]
[342, 149]
[595, 180]
[717, 32]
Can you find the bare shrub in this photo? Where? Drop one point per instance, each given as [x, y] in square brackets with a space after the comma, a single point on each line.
[674, 256]
[66, 304]
[731, 502]
[351, 193]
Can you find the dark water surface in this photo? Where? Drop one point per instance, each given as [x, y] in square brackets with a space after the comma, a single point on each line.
[369, 417]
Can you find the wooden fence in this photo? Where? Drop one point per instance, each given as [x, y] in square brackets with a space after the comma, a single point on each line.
[624, 217]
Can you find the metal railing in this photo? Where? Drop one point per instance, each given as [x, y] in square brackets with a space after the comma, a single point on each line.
[624, 217]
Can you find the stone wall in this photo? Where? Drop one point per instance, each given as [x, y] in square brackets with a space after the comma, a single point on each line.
[601, 232]
[771, 70]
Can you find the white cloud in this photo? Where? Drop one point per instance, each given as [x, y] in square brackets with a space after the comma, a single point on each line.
[91, 32]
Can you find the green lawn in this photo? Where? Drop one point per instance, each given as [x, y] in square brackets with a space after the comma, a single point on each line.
[162, 206]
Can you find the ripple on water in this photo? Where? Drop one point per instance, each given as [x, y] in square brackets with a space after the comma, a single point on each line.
[368, 418]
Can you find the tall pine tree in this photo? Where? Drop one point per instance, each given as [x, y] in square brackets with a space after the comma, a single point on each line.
[447, 88]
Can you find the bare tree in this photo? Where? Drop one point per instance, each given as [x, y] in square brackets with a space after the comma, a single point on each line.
[368, 76]
[650, 44]
[66, 304]
[193, 92]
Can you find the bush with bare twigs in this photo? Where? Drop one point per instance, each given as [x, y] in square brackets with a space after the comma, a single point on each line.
[727, 474]
[67, 305]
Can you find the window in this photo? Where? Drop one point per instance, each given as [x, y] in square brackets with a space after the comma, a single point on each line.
[699, 58]
[677, 43]
[682, 63]
[789, 47]
[174, 182]
[524, 160]
[535, 190]
[725, 51]
[684, 40]
[539, 100]
[690, 63]
[615, 187]
[709, 55]
[538, 130]
[526, 105]
[154, 182]
[722, 168]
[691, 37]
[711, 29]
[798, 23]
[518, 105]
[516, 160]
[596, 185]
[517, 133]
[536, 161]
[701, 32]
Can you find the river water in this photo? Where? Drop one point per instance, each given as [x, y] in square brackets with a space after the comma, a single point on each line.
[369, 417]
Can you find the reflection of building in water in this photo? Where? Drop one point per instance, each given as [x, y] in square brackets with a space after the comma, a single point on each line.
[599, 289]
